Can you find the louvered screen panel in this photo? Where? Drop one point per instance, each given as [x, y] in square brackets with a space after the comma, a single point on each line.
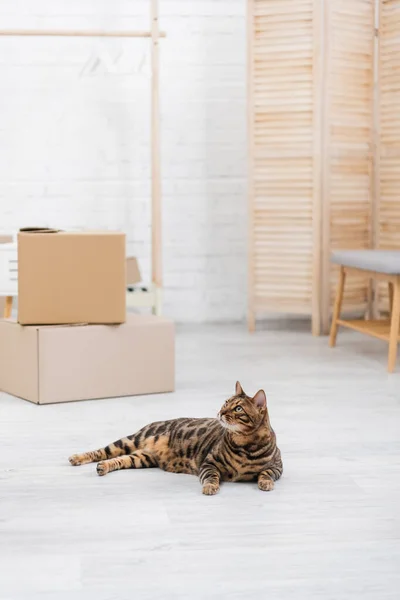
[281, 92]
[348, 123]
[388, 226]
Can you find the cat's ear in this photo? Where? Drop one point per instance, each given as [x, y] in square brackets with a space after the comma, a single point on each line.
[239, 390]
[260, 399]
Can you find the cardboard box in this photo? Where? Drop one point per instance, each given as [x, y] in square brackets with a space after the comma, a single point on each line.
[68, 277]
[47, 364]
[132, 271]
[4, 239]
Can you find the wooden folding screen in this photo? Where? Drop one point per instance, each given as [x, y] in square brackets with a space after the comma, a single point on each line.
[347, 150]
[280, 80]
[311, 76]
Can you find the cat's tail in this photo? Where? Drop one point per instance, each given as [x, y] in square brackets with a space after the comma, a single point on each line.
[121, 447]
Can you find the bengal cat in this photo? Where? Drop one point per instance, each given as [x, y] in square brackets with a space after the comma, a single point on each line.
[240, 445]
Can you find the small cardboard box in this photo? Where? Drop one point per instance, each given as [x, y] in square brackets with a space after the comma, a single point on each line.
[66, 277]
[47, 364]
[132, 271]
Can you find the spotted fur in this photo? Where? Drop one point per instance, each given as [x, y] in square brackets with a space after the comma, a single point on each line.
[240, 445]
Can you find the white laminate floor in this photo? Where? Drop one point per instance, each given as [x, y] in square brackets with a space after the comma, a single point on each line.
[330, 530]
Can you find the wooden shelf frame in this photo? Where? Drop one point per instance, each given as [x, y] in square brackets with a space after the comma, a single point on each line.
[311, 146]
[154, 35]
[77, 33]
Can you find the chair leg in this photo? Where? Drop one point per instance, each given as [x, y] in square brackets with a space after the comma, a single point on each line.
[390, 288]
[337, 308]
[8, 307]
[251, 321]
[394, 326]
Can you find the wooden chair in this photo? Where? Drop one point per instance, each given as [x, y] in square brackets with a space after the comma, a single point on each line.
[375, 264]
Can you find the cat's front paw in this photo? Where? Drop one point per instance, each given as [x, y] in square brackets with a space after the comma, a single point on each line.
[102, 468]
[210, 489]
[266, 485]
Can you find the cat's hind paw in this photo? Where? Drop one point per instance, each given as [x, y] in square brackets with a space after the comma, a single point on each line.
[102, 468]
[76, 459]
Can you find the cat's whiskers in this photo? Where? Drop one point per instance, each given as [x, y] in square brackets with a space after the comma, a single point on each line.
[227, 425]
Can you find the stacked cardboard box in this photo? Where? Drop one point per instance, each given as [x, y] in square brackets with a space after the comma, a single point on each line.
[73, 339]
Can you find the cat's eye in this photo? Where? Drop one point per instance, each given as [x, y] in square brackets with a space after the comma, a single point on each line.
[238, 409]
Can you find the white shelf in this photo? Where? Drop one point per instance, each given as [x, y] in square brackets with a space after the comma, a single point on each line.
[142, 299]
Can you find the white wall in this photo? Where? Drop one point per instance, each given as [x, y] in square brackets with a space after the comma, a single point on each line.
[74, 137]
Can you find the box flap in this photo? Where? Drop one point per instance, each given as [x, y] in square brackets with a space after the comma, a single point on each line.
[132, 320]
[14, 321]
[38, 230]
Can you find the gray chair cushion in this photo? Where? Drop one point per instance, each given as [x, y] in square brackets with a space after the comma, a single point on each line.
[380, 261]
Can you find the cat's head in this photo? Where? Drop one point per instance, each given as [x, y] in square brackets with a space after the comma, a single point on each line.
[244, 414]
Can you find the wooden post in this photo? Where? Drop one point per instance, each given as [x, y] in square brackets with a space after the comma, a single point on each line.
[325, 172]
[156, 232]
[251, 320]
[375, 196]
[317, 143]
